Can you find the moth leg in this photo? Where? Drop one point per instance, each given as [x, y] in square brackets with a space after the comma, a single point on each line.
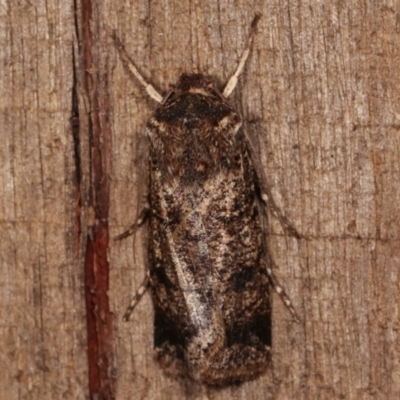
[138, 295]
[265, 193]
[280, 290]
[268, 200]
[143, 287]
[276, 211]
[230, 86]
[142, 217]
[128, 64]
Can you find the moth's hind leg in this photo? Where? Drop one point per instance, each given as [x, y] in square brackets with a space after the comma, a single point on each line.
[279, 289]
[268, 202]
[145, 284]
[138, 295]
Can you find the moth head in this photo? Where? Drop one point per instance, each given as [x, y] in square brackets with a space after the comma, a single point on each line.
[193, 83]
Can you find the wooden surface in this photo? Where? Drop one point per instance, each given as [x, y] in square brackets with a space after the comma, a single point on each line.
[43, 326]
[321, 95]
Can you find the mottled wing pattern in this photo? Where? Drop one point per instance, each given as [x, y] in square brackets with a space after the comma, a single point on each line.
[210, 291]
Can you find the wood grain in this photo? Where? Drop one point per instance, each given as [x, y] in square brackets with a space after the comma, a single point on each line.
[320, 96]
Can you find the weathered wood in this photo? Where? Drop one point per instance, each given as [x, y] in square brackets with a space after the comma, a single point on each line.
[321, 96]
[43, 325]
[320, 93]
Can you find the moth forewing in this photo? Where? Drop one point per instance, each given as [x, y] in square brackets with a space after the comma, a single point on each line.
[206, 247]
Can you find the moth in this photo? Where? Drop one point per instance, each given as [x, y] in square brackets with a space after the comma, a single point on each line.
[209, 266]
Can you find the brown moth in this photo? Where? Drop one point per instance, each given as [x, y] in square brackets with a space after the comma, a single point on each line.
[209, 267]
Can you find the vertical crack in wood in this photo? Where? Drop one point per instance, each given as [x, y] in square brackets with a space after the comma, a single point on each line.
[75, 129]
[100, 320]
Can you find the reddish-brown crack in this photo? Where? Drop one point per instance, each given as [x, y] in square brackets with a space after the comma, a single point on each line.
[100, 320]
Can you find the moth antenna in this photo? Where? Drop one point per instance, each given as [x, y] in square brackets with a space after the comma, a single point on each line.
[151, 91]
[230, 86]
